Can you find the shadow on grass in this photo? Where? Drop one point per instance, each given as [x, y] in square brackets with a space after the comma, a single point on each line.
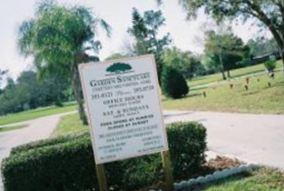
[10, 128]
[232, 178]
[193, 95]
[251, 93]
[248, 73]
[187, 96]
[199, 88]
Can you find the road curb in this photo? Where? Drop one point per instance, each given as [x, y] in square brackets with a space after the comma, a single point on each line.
[218, 175]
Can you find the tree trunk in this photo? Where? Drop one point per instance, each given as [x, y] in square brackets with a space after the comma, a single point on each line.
[228, 74]
[223, 75]
[282, 56]
[222, 66]
[77, 88]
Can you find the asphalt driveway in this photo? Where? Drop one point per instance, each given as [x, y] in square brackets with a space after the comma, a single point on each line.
[256, 138]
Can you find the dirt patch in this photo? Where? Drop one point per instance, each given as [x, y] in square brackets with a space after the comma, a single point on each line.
[221, 162]
[218, 163]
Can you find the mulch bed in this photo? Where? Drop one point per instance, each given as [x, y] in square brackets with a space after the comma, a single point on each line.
[218, 163]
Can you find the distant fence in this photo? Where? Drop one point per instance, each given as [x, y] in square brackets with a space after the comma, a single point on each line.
[265, 57]
[260, 59]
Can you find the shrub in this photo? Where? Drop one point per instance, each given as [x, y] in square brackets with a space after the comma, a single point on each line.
[187, 143]
[173, 83]
[47, 142]
[270, 65]
[67, 163]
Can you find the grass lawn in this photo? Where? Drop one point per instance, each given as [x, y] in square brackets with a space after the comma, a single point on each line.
[260, 98]
[36, 113]
[263, 179]
[69, 124]
[10, 128]
[201, 80]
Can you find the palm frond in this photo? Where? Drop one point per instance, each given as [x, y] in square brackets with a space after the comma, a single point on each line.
[26, 37]
[106, 27]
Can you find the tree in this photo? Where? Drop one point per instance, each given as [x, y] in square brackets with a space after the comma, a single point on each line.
[224, 50]
[144, 30]
[185, 62]
[270, 13]
[58, 38]
[29, 92]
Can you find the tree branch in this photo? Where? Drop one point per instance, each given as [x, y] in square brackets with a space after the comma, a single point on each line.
[258, 13]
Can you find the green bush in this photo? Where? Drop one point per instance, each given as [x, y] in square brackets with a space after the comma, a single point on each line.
[173, 83]
[270, 65]
[187, 143]
[47, 142]
[67, 163]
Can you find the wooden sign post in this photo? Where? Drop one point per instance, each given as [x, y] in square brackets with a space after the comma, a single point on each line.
[101, 175]
[124, 110]
[169, 181]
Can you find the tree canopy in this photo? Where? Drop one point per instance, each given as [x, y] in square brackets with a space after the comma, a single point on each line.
[29, 92]
[59, 38]
[186, 63]
[224, 51]
[145, 29]
[270, 13]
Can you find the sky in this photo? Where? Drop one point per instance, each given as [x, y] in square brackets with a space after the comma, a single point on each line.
[186, 35]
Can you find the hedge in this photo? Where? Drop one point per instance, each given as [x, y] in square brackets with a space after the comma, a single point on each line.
[67, 163]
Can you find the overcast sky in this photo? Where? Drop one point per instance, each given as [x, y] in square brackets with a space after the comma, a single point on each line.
[186, 35]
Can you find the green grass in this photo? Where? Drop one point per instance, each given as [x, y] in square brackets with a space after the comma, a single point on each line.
[258, 99]
[201, 80]
[36, 113]
[263, 179]
[11, 128]
[69, 124]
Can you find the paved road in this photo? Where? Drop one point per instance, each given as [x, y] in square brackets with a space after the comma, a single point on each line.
[249, 137]
[37, 129]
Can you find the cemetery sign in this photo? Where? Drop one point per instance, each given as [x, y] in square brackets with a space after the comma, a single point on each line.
[122, 98]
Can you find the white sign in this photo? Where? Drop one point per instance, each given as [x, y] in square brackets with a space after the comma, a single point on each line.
[122, 97]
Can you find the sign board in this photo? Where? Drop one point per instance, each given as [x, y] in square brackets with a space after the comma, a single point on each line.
[122, 98]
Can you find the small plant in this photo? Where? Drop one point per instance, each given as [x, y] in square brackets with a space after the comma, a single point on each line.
[247, 80]
[173, 83]
[270, 65]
